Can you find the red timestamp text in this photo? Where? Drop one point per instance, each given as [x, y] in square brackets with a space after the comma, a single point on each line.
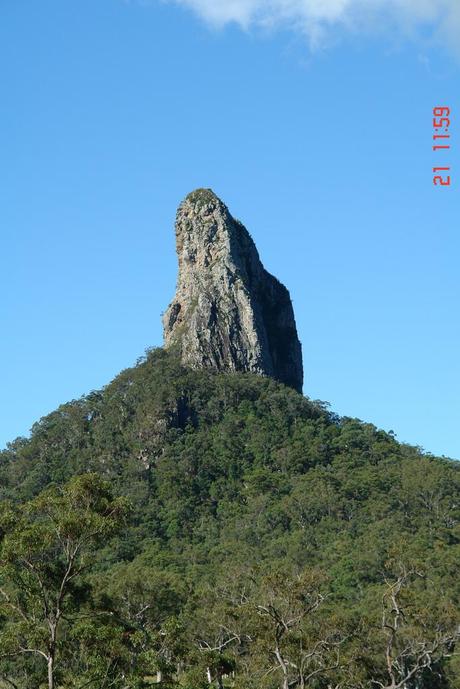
[441, 139]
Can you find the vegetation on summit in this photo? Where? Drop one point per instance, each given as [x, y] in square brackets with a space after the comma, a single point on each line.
[186, 528]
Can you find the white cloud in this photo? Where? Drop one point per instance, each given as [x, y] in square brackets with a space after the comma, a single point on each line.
[440, 18]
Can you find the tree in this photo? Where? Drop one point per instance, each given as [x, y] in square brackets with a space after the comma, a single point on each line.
[149, 603]
[218, 629]
[299, 644]
[47, 545]
[416, 640]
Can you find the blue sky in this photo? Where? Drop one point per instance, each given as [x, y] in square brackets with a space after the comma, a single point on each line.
[315, 129]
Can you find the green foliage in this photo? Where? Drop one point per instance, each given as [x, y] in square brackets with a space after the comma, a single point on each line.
[201, 197]
[47, 545]
[245, 496]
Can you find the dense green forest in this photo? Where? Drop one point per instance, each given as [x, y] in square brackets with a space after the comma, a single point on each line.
[185, 528]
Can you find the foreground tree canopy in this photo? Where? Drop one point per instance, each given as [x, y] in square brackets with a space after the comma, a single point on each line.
[187, 529]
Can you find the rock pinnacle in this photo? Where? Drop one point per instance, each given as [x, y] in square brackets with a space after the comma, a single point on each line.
[228, 312]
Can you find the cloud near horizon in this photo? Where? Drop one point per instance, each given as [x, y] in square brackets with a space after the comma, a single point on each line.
[437, 19]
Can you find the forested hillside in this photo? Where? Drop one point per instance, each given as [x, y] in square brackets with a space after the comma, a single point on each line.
[186, 528]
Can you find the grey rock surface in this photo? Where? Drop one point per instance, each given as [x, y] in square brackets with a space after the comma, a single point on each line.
[228, 313]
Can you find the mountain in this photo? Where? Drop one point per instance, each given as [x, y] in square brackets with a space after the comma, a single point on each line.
[189, 526]
[228, 313]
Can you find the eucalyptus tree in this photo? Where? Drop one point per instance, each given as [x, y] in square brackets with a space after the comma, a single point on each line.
[48, 544]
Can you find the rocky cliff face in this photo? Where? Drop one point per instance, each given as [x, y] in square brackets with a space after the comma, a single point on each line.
[228, 313]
